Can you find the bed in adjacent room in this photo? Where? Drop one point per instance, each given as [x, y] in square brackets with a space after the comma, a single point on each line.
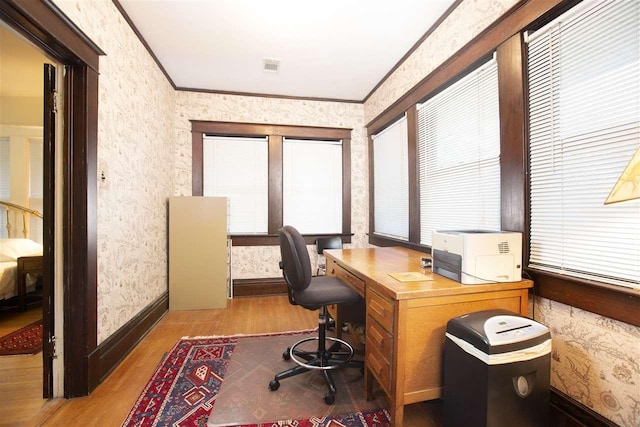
[20, 265]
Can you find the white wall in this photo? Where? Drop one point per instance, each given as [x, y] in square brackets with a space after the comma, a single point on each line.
[22, 110]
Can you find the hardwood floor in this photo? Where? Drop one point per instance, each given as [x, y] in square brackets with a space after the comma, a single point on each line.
[110, 403]
[20, 376]
[13, 320]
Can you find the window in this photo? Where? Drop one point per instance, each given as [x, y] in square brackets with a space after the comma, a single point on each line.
[35, 173]
[36, 179]
[390, 181]
[312, 185]
[584, 115]
[236, 168]
[5, 182]
[459, 155]
[286, 174]
[514, 157]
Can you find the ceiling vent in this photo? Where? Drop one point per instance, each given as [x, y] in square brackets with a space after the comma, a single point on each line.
[271, 65]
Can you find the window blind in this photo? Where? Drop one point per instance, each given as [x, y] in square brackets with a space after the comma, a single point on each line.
[312, 185]
[459, 155]
[237, 168]
[584, 120]
[5, 168]
[390, 181]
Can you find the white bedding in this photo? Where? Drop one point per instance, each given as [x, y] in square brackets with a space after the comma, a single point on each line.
[8, 276]
[10, 251]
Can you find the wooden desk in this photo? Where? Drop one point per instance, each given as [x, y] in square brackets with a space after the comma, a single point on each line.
[406, 321]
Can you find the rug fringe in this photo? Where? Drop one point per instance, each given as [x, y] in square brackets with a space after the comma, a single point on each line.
[267, 334]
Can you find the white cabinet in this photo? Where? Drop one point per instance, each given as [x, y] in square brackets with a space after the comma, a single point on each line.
[198, 253]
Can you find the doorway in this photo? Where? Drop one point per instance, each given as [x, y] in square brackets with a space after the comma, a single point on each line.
[46, 26]
[27, 155]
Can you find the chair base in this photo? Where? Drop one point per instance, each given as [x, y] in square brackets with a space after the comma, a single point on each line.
[323, 361]
[338, 355]
[329, 359]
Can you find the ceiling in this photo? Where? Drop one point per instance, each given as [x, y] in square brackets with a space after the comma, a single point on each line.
[335, 49]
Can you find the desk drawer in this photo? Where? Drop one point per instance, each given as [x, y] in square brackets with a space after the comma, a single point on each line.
[379, 367]
[354, 282]
[381, 309]
[379, 339]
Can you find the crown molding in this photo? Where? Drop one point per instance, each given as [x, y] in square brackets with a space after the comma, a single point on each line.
[143, 41]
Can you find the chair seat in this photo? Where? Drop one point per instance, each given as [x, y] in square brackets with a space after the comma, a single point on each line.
[325, 290]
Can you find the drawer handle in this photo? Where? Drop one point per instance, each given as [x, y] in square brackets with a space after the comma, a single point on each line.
[378, 308]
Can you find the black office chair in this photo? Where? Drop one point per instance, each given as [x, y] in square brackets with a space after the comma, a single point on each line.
[313, 293]
[323, 243]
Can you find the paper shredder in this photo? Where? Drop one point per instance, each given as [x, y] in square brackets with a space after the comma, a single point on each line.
[496, 371]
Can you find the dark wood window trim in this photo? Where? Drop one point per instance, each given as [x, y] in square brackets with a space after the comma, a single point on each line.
[505, 35]
[621, 303]
[465, 60]
[413, 171]
[513, 21]
[275, 134]
[615, 302]
[413, 189]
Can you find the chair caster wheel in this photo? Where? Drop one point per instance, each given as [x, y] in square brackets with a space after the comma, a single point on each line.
[287, 354]
[274, 385]
[329, 399]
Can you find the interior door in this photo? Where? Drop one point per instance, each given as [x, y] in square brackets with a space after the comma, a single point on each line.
[49, 127]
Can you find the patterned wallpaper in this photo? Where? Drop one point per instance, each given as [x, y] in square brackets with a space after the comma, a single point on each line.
[262, 261]
[135, 143]
[595, 360]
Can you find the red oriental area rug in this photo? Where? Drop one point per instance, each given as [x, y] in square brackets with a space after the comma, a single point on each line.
[27, 340]
[185, 386]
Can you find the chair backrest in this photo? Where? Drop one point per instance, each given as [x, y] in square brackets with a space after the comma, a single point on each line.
[296, 266]
[323, 243]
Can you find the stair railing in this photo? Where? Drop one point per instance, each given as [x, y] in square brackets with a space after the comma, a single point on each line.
[26, 212]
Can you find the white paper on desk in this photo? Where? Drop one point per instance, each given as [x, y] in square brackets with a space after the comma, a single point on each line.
[411, 276]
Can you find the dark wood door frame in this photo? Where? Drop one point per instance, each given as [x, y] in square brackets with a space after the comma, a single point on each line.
[48, 231]
[49, 29]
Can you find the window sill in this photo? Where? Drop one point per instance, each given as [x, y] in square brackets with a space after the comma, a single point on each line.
[615, 302]
[272, 239]
[383, 241]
